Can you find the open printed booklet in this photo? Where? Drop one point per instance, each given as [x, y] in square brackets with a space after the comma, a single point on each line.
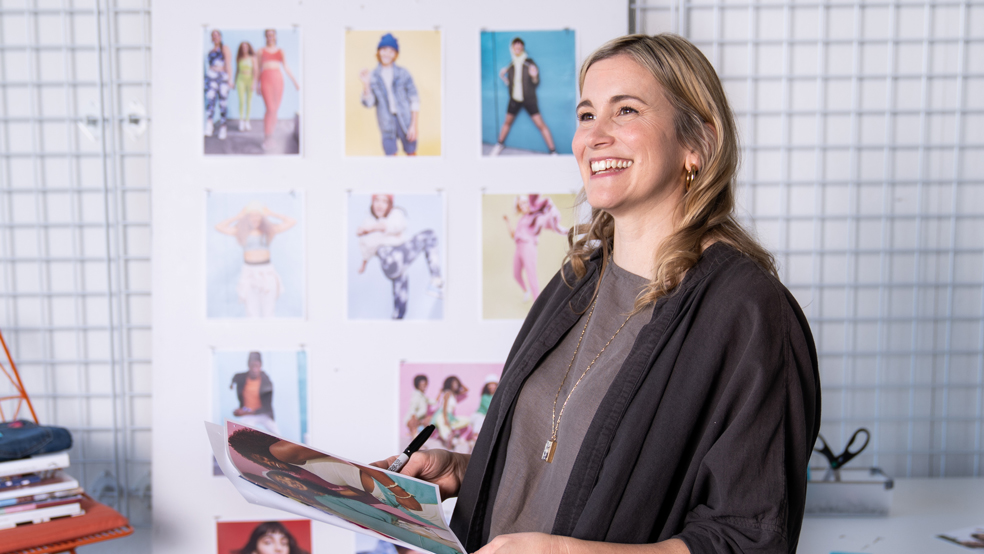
[277, 473]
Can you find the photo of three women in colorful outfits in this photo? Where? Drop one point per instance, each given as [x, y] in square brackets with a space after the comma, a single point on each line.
[241, 64]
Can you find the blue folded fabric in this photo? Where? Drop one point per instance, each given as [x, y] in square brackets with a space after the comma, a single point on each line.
[20, 439]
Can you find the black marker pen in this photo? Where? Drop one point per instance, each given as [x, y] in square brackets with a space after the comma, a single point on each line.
[415, 445]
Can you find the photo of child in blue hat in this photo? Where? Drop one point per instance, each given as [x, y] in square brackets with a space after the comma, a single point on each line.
[391, 90]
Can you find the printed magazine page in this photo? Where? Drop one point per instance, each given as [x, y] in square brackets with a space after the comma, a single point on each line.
[277, 473]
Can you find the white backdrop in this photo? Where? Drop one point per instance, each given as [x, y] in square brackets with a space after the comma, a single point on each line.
[344, 357]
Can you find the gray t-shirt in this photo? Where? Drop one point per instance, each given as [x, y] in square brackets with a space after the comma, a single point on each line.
[530, 491]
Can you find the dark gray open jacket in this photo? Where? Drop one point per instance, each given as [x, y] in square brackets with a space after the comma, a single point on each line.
[705, 433]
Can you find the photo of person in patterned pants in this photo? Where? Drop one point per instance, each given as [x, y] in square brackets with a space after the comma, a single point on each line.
[383, 234]
[217, 87]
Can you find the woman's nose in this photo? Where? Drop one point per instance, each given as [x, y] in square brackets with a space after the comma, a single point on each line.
[599, 134]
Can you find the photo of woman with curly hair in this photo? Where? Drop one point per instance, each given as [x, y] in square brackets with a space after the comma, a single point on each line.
[264, 537]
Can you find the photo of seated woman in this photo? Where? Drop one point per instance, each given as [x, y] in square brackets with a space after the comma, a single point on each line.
[255, 255]
[252, 91]
[396, 256]
[393, 93]
[528, 92]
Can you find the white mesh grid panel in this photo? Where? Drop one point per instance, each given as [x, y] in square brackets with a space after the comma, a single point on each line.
[863, 171]
[75, 230]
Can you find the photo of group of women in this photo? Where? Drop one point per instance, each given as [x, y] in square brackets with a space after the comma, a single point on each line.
[452, 397]
[396, 260]
[254, 254]
[263, 389]
[528, 92]
[252, 91]
[393, 93]
[289, 536]
[524, 240]
[406, 509]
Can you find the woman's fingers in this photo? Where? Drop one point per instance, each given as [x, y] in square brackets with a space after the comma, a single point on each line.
[384, 464]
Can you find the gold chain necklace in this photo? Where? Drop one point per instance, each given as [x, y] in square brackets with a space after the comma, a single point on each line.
[551, 446]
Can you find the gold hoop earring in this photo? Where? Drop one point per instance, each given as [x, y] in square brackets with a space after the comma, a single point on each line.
[691, 176]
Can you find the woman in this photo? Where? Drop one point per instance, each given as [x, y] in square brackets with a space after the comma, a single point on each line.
[663, 393]
[271, 537]
[383, 234]
[536, 214]
[259, 283]
[449, 426]
[271, 83]
[254, 389]
[218, 82]
[246, 70]
[420, 406]
[484, 401]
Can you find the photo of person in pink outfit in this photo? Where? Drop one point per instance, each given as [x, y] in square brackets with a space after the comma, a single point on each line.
[536, 213]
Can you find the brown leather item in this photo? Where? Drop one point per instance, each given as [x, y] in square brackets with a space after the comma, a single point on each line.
[98, 523]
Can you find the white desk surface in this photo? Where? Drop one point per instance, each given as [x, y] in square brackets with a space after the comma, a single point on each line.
[921, 509]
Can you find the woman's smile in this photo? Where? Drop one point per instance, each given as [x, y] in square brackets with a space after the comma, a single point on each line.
[608, 166]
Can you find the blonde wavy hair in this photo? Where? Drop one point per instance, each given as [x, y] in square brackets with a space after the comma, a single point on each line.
[704, 123]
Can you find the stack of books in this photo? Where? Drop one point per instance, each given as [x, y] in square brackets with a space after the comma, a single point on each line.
[36, 489]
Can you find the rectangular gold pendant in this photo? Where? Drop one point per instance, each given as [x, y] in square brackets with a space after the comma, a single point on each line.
[548, 451]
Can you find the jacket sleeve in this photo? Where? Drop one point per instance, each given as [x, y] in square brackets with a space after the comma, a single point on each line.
[412, 94]
[751, 483]
[368, 97]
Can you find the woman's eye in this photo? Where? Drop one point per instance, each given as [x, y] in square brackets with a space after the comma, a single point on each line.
[585, 116]
[626, 110]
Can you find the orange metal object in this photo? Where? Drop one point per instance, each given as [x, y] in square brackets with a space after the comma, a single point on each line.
[21, 397]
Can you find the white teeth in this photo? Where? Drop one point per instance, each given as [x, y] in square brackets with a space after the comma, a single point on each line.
[604, 165]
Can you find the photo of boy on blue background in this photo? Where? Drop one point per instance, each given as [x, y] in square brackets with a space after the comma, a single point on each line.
[528, 107]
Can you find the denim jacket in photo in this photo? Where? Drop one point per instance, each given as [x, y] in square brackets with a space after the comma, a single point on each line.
[404, 92]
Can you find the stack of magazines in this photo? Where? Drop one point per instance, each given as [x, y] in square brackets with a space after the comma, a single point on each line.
[36, 489]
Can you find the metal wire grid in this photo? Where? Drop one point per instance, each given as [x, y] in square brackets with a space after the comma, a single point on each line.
[75, 230]
[863, 150]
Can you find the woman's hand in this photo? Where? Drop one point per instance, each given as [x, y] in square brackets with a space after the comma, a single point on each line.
[526, 543]
[364, 77]
[444, 469]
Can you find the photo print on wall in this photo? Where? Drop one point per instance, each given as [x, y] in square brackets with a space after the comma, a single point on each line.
[254, 254]
[453, 397]
[262, 388]
[396, 256]
[252, 91]
[286, 536]
[529, 91]
[524, 240]
[393, 93]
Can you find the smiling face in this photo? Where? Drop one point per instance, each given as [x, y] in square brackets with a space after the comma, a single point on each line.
[386, 55]
[216, 38]
[380, 206]
[517, 48]
[273, 543]
[626, 146]
[271, 37]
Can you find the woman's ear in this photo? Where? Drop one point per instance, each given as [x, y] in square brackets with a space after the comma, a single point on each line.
[692, 159]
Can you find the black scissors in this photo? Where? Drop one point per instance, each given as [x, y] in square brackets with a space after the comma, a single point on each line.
[837, 461]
